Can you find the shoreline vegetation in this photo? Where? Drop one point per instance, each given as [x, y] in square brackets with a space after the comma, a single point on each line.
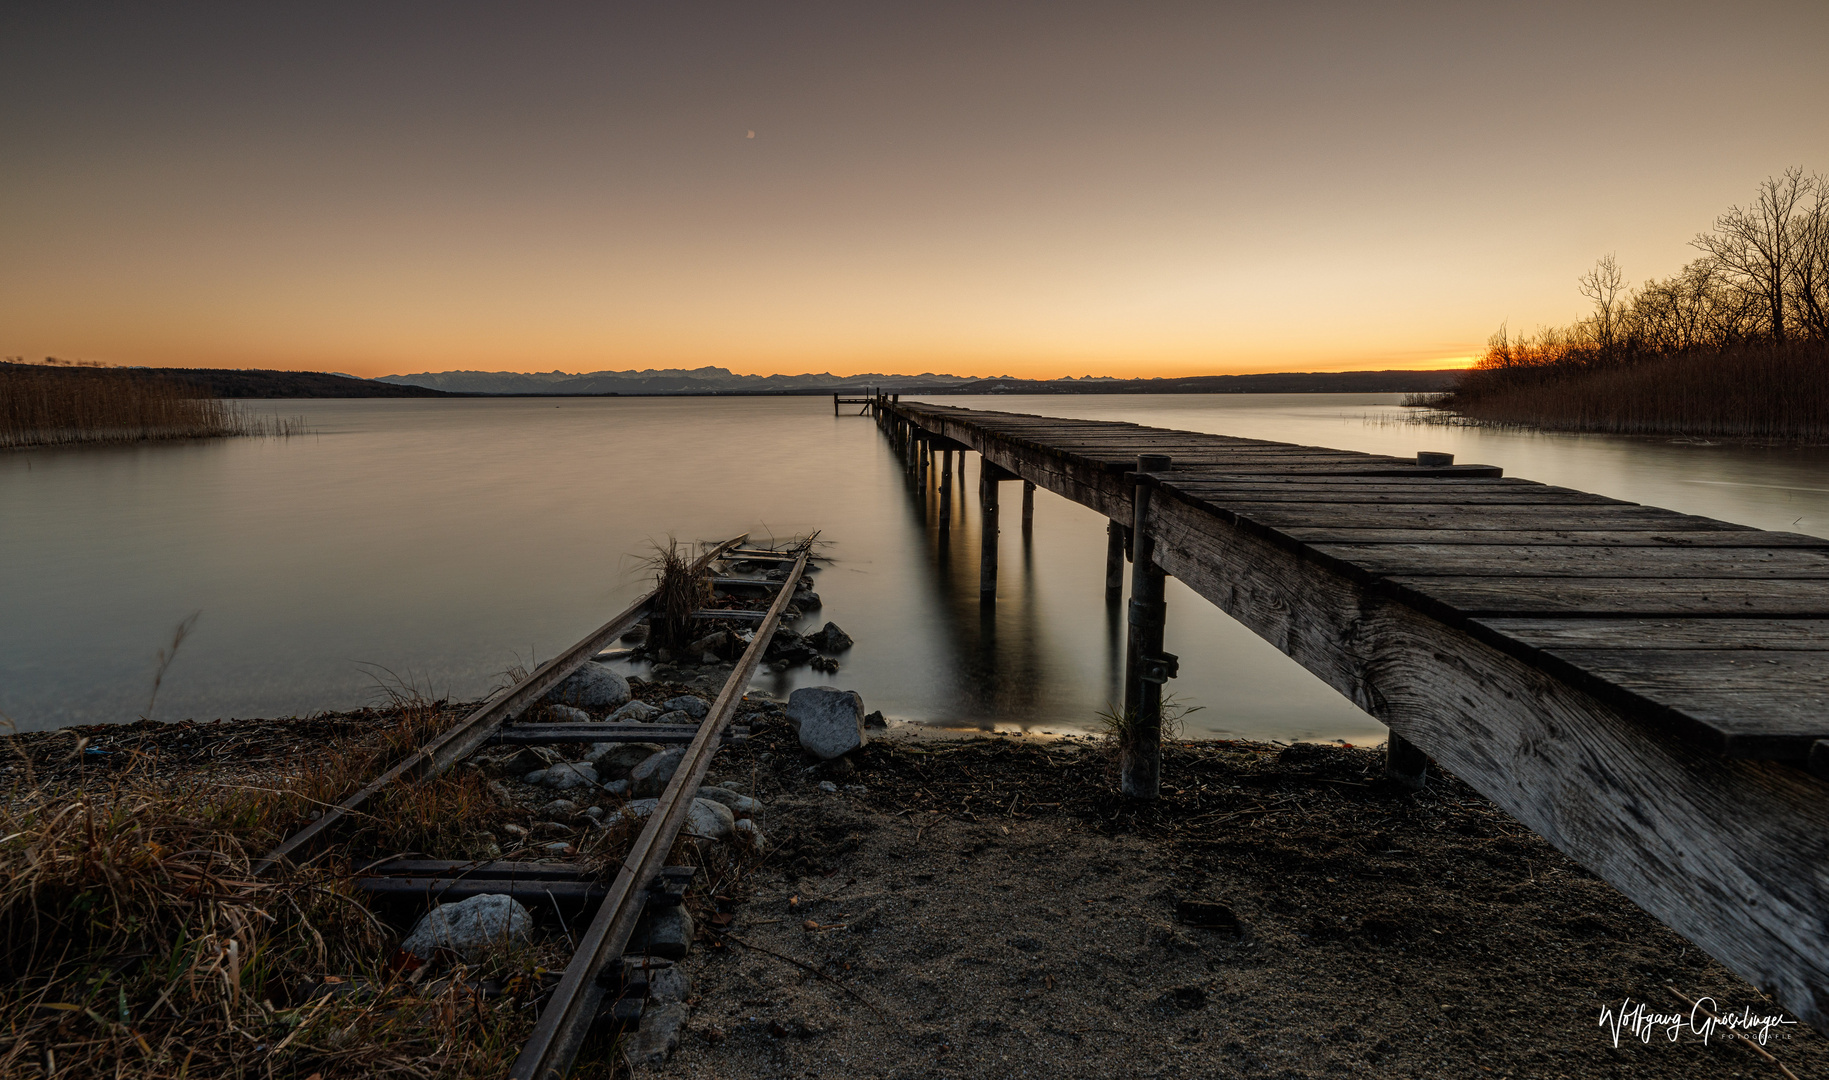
[49, 406]
[1734, 345]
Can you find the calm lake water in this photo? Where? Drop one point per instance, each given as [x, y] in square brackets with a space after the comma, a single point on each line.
[446, 540]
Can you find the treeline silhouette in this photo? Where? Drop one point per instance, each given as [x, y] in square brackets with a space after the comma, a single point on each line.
[50, 405]
[1735, 343]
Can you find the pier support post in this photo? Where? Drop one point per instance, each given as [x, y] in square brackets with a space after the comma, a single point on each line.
[946, 488]
[1114, 561]
[1028, 507]
[1147, 667]
[1405, 764]
[987, 545]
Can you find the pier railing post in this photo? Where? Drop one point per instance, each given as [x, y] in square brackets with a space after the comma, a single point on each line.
[1147, 667]
[987, 545]
[1404, 763]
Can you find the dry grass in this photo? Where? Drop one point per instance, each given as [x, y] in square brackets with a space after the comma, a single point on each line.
[1753, 391]
[682, 591]
[134, 939]
[52, 406]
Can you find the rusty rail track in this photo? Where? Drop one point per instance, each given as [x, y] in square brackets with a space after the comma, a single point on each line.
[566, 1020]
[473, 731]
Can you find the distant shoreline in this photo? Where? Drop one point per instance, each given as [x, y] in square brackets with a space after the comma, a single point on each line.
[268, 384]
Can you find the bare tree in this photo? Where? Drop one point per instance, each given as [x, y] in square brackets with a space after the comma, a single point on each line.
[1603, 285]
[1757, 244]
[1809, 285]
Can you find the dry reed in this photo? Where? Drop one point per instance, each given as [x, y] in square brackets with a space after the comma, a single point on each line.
[1757, 391]
[42, 406]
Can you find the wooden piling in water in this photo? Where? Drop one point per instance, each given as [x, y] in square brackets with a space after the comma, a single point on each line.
[1028, 507]
[987, 541]
[1114, 560]
[946, 488]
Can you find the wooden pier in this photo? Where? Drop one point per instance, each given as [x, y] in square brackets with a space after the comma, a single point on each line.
[1647, 690]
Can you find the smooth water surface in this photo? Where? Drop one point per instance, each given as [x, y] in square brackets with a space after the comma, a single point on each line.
[446, 540]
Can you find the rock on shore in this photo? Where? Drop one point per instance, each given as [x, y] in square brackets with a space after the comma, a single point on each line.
[829, 721]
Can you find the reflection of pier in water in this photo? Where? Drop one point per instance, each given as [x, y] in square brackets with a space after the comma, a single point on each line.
[1645, 689]
[998, 649]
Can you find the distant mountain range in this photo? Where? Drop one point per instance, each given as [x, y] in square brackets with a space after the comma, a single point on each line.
[717, 380]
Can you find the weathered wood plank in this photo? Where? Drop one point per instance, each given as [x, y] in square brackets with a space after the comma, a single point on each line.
[1460, 597]
[1804, 635]
[1728, 536]
[1493, 560]
[1517, 518]
[1343, 495]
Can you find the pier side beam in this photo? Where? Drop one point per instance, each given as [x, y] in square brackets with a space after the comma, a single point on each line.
[1147, 667]
[1404, 763]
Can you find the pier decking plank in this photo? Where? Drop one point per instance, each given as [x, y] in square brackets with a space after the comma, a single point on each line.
[1640, 686]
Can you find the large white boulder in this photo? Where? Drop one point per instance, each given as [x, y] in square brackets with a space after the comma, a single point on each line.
[829, 721]
[470, 928]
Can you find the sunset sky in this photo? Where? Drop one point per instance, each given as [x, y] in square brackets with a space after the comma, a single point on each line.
[986, 188]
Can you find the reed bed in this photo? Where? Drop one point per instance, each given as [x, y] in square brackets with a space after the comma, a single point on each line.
[1755, 391]
[48, 406]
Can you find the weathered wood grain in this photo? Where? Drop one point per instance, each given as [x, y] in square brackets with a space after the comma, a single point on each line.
[1496, 560]
[1727, 536]
[1458, 597]
[1806, 635]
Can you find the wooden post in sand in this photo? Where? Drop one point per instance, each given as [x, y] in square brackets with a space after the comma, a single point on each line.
[1147, 667]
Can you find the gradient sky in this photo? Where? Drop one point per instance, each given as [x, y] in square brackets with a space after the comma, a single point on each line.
[1028, 189]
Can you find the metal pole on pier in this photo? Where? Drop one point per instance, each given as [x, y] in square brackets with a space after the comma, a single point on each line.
[1147, 667]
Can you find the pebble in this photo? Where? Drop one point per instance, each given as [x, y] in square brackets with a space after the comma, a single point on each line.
[565, 776]
[634, 712]
[741, 806]
[828, 787]
[696, 707]
[559, 808]
[651, 776]
[618, 787]
[659, 1034]
[566, 714]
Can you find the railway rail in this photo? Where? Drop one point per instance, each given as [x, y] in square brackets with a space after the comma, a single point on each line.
[595, 975]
